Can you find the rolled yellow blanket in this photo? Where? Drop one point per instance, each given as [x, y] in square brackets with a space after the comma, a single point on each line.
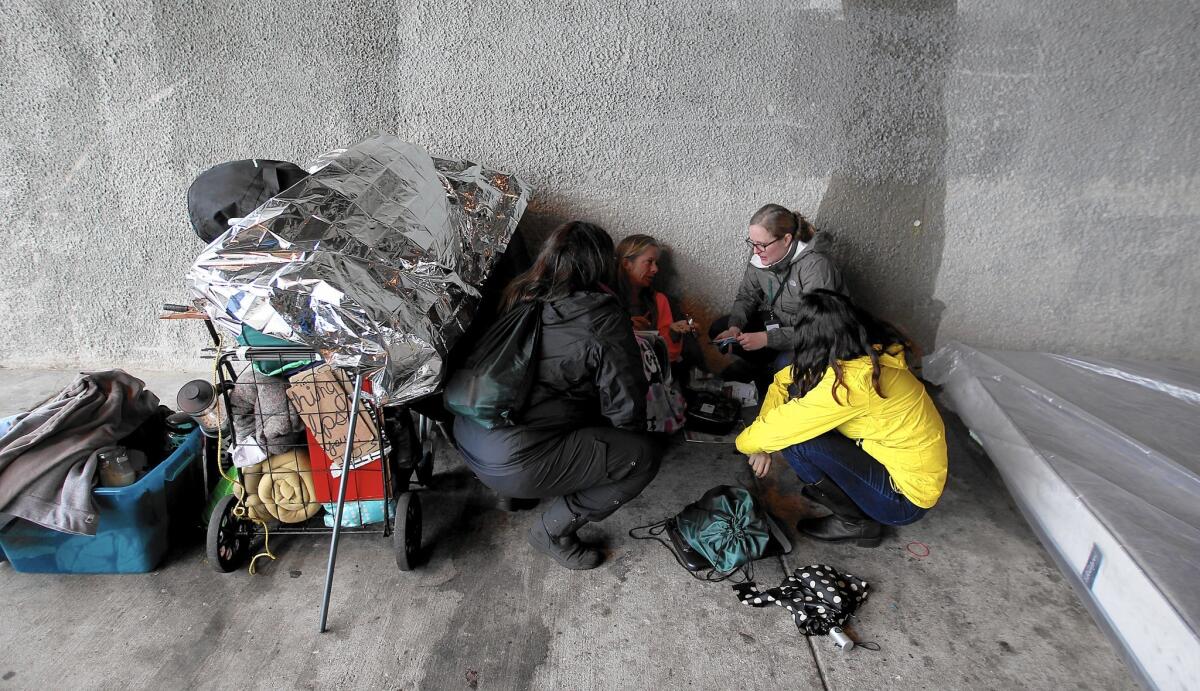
[286, 487]
[247, 492]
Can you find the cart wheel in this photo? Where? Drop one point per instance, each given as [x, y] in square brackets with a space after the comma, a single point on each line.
[228, 537]
[424, 468]
[406, 533]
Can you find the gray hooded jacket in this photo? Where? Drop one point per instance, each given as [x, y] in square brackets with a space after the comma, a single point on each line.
[778, 288]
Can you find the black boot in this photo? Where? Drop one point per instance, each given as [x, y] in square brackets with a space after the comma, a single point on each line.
[553, 534]
[847, 522]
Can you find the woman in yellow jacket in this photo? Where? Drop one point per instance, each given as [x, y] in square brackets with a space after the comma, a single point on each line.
[853, 422]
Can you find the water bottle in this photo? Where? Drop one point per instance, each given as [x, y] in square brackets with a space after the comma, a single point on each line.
[179, 426]
[116, 470]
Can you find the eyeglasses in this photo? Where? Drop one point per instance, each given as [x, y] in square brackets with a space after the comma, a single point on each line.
[760, 246]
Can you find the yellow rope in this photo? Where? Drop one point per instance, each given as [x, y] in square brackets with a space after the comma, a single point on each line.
[239, 511]
[266, 547]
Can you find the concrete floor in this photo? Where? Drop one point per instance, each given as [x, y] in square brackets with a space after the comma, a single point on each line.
[987, 608]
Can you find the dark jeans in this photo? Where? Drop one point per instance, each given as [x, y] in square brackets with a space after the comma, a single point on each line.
[593, 471]
[759, 366]
[692, 356]
[860, 476]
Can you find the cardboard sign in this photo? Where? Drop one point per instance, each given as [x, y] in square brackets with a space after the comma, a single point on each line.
[322, 396]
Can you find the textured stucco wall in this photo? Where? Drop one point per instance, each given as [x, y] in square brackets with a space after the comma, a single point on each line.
[1048, 150]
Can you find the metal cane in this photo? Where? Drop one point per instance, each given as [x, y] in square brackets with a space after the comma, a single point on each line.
[341, 501]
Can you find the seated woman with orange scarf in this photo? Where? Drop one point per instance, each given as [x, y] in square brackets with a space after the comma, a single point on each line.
[651, 310]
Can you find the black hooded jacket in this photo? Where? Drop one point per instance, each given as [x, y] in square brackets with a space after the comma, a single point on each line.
[589, 367]
[589, 374]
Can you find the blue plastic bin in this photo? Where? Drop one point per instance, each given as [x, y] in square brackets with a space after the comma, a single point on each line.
[132, 535]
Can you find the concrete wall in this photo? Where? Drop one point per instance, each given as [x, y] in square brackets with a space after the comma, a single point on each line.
[1049, 151]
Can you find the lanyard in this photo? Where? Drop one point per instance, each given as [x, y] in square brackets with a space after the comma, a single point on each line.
[771, 301]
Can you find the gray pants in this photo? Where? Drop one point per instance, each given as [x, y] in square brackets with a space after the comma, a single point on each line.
[592, 472]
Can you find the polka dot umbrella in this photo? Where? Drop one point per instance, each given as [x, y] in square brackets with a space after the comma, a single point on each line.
[819, 597]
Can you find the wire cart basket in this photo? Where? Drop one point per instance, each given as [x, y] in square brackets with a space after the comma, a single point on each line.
[289, 427]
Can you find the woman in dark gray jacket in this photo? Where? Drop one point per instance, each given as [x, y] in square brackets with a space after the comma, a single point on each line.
[581, 437]
[790, 258]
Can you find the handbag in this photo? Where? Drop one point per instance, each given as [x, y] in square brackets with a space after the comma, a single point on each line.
[494, 383]
[665, 406]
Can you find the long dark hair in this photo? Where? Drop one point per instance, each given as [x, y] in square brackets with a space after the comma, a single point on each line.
[780, 221]
[577, 256]
[831, 330]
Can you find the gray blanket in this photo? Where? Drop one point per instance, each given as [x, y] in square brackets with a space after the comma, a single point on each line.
[48, 459]
[260, 410]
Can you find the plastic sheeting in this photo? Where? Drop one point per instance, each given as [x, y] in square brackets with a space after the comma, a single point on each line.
[1104, 459]
[375, 261]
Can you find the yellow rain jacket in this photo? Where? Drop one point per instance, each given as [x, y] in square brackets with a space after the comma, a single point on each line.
[903, 431]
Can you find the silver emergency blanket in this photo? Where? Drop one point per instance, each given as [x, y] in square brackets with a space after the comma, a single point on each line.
[375, 261]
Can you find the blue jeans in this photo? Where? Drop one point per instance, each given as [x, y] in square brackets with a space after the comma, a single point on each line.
[860, 476]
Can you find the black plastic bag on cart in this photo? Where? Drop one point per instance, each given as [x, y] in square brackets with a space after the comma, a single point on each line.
[233, 190]
[493, 385]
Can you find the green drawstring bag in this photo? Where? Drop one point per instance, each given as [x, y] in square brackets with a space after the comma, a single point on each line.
[722, 532]
[724, 527]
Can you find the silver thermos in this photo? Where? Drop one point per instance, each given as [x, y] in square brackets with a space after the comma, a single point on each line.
[840, 639]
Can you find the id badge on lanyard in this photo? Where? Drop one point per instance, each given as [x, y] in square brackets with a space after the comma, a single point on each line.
[771, 322]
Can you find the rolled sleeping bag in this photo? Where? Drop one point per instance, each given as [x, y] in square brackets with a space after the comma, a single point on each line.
[286, 488]
[247, 492]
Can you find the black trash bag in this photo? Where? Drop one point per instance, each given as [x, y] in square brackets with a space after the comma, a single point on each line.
[233, 190]
[493, 386]
[818, 596]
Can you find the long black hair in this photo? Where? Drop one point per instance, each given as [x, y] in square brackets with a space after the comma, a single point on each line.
[831, 330]
[577, 256]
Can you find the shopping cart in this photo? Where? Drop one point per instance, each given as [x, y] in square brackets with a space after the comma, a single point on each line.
[289, 428]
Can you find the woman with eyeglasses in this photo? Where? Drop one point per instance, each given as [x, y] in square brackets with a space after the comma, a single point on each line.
[790, 258]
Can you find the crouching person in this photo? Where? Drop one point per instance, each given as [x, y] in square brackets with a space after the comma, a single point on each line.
[581, 437]
[853, 422]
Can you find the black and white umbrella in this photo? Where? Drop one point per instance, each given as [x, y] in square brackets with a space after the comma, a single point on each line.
[819, 597]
